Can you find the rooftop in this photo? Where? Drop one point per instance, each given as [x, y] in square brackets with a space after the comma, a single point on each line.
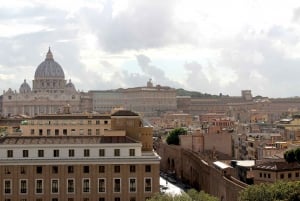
[33, 140]
[278, 166]
[72, 116]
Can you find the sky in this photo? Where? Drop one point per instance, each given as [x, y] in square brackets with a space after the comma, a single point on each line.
[213, 46]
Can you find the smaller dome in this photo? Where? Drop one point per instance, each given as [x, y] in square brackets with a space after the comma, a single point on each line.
[25, 88]
[70, 86]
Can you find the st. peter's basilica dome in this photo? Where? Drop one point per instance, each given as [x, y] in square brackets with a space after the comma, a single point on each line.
[49, 69]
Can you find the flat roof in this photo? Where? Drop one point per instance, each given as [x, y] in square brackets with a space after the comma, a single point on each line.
[246, 163]
[221, 165]
[32, 140]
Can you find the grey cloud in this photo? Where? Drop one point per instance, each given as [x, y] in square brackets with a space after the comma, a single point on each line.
[197, 80]
[279, 72]
[146, 24]
[154, 72]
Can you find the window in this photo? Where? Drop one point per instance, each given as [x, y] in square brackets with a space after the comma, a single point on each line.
[6, 170]
[101, 199]
[297, 174]
[101, 185]
[56, 132]
[97, 131]
[40, 132]
[131, 152]
[101, 169]
[132, 168]
[23, 186]
[132, 199]
[101, 152]
[148, 185]
[89, 131]
[117, 199]
[148, 168]
[10, 153]
[70, 199]
[117, 152]
[48, 131]
[89, 122]
[289, 175]
[281, 176]
[71, 185]
[40, 153]
[56, 153]
[39, 169]
[70, 169]
[132, 185]
[86, 153]
[117, 168]
[71, 152]
[54, 186]
[22, 170]
[97, 122]
[86, 169]
[105, 122]
[54, 169]
[32, 131]
[65, 132]
[86, 185]
[117, 185]
[7, 187]
[25, 153]
[39, 186]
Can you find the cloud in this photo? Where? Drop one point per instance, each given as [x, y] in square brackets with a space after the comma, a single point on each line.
[154, 72]
[145, 24]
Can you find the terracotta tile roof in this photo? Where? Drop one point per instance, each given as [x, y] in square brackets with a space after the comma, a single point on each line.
[278, 166]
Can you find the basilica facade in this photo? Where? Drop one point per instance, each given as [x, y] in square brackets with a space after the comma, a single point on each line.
[50, 92]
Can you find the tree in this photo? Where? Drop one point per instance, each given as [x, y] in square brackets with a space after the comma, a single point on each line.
[289, 156]
[292, 155]
[297, 155]
[191, 195]
[173, 136]
[279, 191]
[201, 196]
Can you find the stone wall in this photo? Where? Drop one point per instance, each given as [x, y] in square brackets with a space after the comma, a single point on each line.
[194, 169]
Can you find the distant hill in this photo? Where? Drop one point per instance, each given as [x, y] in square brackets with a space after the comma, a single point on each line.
[195, 94]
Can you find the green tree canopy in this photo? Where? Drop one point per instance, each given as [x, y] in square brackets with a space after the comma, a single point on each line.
[191, 195]
[279, 191]
[289, 156]
[292, 155]
[173, 136]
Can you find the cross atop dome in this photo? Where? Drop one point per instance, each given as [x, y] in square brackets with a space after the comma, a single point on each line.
[49, 54]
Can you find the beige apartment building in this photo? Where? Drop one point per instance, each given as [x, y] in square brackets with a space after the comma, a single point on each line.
[82, 157]
[272, 171]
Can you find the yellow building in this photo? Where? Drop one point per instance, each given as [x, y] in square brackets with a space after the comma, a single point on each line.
[80, 157]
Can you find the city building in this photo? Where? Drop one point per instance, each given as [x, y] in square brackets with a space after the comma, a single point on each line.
[80, 157]
[272, 171]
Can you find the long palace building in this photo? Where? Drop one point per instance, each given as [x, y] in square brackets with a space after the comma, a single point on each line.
[79, 157]
[50, 92]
